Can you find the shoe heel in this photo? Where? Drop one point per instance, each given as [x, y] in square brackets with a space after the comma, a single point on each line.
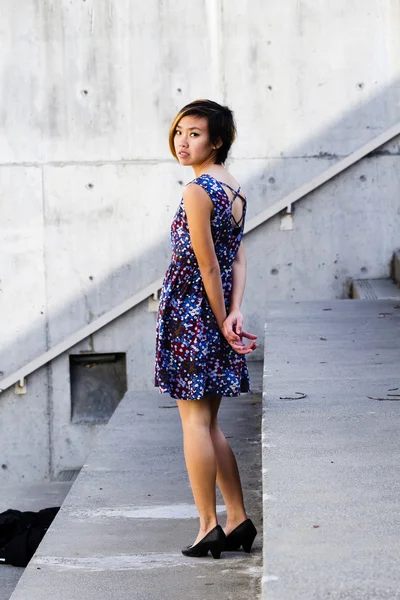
[248, 543]
[216, 552]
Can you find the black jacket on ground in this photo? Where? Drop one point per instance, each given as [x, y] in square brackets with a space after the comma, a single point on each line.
[21, 533]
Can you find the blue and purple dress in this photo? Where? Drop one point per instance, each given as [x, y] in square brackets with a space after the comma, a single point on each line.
[193, 359]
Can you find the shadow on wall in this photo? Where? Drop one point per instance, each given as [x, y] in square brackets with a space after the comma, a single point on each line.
[349, 228]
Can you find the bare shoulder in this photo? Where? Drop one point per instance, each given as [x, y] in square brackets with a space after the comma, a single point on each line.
[195, 195]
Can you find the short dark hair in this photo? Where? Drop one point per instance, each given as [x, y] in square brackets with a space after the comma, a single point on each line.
[221, 125]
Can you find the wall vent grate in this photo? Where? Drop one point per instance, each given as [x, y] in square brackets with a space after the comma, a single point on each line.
[68, 475]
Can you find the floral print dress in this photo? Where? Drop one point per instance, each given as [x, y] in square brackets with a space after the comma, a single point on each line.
[193, 358]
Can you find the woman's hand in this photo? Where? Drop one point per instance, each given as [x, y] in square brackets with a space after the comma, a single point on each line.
[232, 330]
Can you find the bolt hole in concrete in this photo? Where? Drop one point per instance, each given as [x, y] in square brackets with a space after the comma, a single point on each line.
[98, 383]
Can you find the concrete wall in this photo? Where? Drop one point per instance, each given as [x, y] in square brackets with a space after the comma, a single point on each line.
[88, 189]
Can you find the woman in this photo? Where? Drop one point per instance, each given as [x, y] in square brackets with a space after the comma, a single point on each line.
[200, 352]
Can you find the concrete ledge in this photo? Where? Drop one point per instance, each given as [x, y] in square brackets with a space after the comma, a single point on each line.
[375, 289]
[121, 528]
[396, 267]
[330, 459]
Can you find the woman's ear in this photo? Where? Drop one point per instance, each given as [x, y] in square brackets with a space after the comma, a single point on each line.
[217, 144]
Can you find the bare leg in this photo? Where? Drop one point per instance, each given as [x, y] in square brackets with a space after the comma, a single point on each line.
[200, 459]
[228, 478]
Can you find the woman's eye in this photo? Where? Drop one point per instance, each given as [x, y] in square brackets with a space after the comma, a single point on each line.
[177, 132]
[194, 133]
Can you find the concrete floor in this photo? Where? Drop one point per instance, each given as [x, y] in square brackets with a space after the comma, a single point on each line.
[331, 459]
[129, 513]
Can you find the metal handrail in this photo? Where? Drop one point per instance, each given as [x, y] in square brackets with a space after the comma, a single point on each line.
[81, 334]
[319, 180]
[153, 288]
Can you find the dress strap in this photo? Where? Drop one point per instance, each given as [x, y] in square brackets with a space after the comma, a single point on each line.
[236, 192]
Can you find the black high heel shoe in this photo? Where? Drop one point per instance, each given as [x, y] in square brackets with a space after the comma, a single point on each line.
[214, 541]
[243, 535]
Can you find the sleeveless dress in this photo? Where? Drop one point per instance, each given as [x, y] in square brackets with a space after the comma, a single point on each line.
[193, 358]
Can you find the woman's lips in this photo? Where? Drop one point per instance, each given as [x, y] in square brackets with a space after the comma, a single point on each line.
[183, 154]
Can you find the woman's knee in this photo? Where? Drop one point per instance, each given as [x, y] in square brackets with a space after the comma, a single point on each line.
[194, 413]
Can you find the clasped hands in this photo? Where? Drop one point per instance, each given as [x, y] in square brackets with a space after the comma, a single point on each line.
[232, 330]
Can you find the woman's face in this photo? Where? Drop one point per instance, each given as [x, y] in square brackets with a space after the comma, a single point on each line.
[192, 142]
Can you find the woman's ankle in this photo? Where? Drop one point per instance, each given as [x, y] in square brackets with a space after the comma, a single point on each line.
[234, 519]
[207, 524]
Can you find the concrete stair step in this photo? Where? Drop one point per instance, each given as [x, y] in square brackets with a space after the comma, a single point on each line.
[328, 311]
[330, 459]
[33, 496]
[130, 511]
[375, 289]
[396, 267]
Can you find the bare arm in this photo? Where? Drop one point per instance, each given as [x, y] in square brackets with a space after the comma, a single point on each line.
[198, 207]
[234, 322]
[239, 279]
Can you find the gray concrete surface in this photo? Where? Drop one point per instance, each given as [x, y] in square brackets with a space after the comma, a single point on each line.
[129, 513]
[375, 289]
[396, 267]
[86, 141]
[331, 460]
[26, 497]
